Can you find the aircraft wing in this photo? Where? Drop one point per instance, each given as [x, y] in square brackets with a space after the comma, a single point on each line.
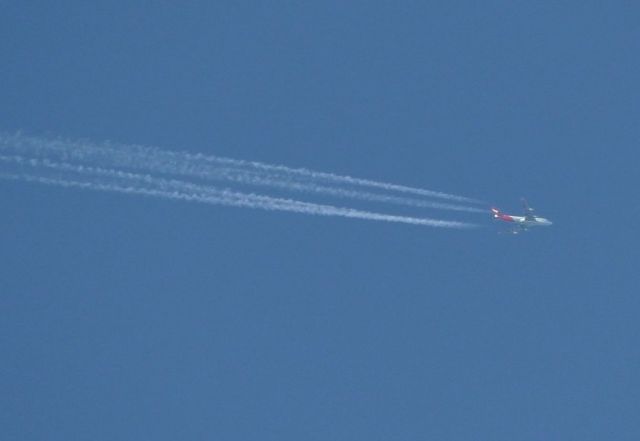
[528, 211]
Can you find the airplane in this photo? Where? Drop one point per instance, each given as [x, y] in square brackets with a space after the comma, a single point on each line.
[521, 223]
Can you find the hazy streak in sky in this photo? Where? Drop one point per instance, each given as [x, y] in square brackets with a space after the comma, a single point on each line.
[49, 172]
[208, 167]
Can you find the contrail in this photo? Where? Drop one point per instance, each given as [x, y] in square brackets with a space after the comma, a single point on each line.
[93, 178]
[224, 169]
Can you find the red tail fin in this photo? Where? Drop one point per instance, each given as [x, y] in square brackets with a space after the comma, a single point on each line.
[496, 214]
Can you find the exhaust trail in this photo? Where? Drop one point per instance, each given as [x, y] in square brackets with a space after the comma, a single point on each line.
[102, 179]
[231, 170]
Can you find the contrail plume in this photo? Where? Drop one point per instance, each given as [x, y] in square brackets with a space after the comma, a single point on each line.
[224, 169]
[102, 179]
[241, 200]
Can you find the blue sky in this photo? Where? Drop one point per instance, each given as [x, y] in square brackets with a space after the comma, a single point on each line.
[138, 318]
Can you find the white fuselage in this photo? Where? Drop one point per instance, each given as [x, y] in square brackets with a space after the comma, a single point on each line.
[538, 222]
[523, 222]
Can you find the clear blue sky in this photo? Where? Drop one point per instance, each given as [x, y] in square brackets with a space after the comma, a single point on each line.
[127, 318]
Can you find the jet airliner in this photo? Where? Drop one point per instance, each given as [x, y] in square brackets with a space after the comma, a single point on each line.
[521, 223]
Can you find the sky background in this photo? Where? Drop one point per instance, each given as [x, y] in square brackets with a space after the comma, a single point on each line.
[128, 318]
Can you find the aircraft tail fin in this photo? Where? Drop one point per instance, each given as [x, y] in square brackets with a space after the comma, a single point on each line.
[497, 214]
